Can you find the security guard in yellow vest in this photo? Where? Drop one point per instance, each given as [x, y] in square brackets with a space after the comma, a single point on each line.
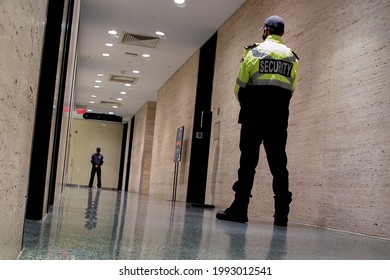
[266, 81]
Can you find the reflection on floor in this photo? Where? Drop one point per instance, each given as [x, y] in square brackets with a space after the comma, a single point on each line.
[92, 224]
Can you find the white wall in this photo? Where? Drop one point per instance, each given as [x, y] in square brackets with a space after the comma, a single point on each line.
[86, 135]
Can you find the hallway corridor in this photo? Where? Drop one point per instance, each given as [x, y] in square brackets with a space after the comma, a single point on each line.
[111, 225]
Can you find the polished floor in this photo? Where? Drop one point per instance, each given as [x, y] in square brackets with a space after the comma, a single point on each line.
[111, 225]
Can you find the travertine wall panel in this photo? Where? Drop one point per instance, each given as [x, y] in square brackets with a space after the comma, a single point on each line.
[141, 153]
[339, 142]
[338, 147]
[22, 26]
[175, 108]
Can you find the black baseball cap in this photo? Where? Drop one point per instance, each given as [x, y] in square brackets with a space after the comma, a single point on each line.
[274, 23]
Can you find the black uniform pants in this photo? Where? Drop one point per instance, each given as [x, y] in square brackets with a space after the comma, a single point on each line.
[98, 172]
[274, 141]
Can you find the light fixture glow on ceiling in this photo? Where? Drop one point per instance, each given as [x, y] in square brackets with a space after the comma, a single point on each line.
[96, 86]
[160, 33]
[100, 74]
[92, 102]
[136, 71]
[111, 113]
[109, 44]
[93, 96]
[119, 99]
[128, 85]
[180, 3]
[98, 81]
[112, 32]
[123, 92]
[105, 54]
[146, 55]
[114, 107]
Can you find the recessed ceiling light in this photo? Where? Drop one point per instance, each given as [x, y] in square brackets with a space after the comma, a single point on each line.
[112, 32]
[160, 33]
[100, 74]
[98, 81]
[92, 102]
[128, 85]
[111, 113]
[109, 44]
[180, 3]
[89, 110]
[119, 99]
[114, 107]
[123, 92]
[93, 96]
[136, 71]
[96, 86]
[146, 55]
[105, 54]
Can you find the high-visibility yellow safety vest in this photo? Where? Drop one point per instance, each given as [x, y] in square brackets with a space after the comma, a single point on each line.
[270, 63]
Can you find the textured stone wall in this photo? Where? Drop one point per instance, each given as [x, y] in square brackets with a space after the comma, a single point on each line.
[22, 26]
[175, 108]
[339, 142]
[141, 154]
[339, 133]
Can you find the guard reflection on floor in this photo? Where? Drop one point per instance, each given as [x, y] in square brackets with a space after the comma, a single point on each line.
[91, 210]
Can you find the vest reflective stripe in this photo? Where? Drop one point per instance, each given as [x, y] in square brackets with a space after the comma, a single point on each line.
[274, 82]
[241, 83]
[263, 55]
[259, 76]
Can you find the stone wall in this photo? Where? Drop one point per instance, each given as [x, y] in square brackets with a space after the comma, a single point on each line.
[175, 108]
[141, 154]
[339, 132]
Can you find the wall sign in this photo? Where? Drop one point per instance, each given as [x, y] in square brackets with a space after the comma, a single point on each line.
[179, 144]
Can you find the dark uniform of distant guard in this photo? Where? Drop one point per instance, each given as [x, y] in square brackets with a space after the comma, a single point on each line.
[266, 81]
[97, 161]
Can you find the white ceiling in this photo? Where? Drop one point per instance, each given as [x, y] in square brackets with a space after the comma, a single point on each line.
[186, 30]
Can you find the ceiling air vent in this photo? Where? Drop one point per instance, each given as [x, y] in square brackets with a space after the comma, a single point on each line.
[110, 103]
[80, 106]
[123, 79]
[132, 54]
[139, 40]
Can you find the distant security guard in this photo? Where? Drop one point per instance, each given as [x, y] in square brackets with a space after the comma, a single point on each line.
[266, 81]
[97, 161]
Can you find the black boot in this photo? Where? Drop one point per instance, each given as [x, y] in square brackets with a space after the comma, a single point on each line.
[237, 212]
[282, 208]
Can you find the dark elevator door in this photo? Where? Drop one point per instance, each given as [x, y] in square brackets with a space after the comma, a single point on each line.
[200, 145]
